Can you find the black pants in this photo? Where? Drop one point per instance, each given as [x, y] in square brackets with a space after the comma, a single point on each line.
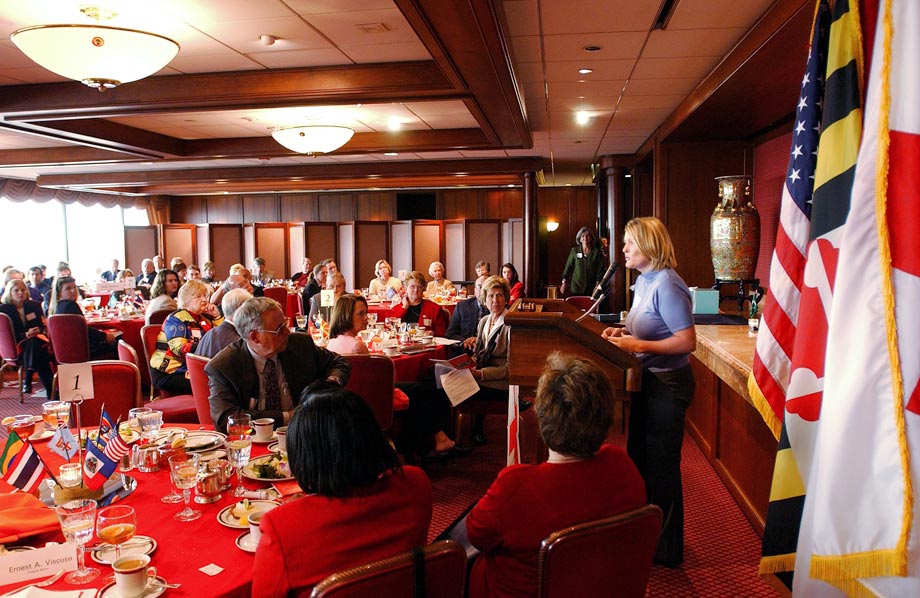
[176, 383]
[428, 413]
[656, 433]
[35, 358]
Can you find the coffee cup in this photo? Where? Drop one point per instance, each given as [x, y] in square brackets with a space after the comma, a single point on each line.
[254, 531]
[132, 574]
[281, 433]
[390, 351]
[263, 428]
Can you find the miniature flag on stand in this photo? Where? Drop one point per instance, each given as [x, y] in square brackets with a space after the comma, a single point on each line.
[63, 442]
[97, 466]
[24, 469]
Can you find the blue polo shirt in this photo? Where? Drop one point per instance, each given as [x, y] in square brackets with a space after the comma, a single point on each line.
[661, 307]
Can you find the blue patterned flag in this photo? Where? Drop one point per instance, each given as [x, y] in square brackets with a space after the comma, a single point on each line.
[63, 442]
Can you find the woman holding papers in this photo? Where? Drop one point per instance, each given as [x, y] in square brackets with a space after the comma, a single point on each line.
[660, 332]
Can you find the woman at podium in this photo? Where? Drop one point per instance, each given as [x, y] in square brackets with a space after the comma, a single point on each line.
[659, 331]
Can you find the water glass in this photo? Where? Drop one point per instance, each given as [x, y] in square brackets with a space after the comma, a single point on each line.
[301, 321]
[184, 470]
[150, 424]
[371, 318]
[55, 413]
[238, 449]
[132, 417]
[77, 518]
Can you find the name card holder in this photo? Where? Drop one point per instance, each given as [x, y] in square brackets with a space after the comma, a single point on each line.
[17, 567]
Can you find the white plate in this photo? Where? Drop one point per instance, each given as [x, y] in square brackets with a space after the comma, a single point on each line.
[245, 542]
[136, 545]
[215, 455]
[202, 441]
[226, 517]
[249, 471]
[152, 591]
[40, 436]
[274, 447]
[268, 440]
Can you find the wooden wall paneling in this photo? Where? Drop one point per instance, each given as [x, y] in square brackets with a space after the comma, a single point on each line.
[376, 206]
[249, 244]
[516, 243]
[140, 243]
[456, 204]
[346, 254]
[553, 204]
[337, 207]
[203, 241]
[372, 242]
[484, 242]
[299, 207]
[770, 161]
[178, 240]
[502, 203]
[225, 209]
[322, 241]
[296, 246]
[427, 244]
[455, 251]
[583, 210]
[401, 246]
[261, 208]
[225, 247]
[702, 416]
[189, 209]
[271, 243]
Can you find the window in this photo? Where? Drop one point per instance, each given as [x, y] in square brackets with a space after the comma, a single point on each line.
[32, 233]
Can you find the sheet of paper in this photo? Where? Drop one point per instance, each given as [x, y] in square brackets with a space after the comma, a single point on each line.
[440, 340]
[459, 385]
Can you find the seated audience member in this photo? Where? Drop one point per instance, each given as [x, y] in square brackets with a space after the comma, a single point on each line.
[465, 319]
[336, 284]
[163, 293]
[331, 266]
[438, 283]
[490, 351]
[36, 283]
[64, 301]
[429, 410]
[316, 284]
[261, 276]
[234, 281]
[384, 284]
[159, 263]
[302, 278]
[360, 505]
[112, 273]
[29, 329]
[483, 268]
[147, 275]
[207, 272]
[241, 378]
[240, 269]
[63, 269]
[182, 272]
[193, 273]
[583, 480]
[225, 334]
[415, 310]
[14, 274]
[509, 272]
[180, 335]
[174, 263]
[134, 296]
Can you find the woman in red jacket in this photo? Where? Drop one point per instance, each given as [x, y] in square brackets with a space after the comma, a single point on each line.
[416, 310]
[361, 506]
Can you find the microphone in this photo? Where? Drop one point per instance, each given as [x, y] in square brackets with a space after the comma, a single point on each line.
[601, 289]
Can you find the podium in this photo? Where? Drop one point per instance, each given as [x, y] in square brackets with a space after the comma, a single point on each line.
[539, 327]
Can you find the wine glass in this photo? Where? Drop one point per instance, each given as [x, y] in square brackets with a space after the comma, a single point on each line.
[77, 517]
[116, 525]
[55, 413]
[239, 424]
[184, 470]
[238, 448]
[132, 417]
[150, 424]
[371, 318]
[169, 452]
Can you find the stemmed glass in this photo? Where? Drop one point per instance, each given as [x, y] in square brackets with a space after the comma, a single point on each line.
[150, 423]
[133, 414]
[371, 318]
[173, 496]
[238, 448]
[116, 525]
[77, 517]
[239, 424]
[184, 470]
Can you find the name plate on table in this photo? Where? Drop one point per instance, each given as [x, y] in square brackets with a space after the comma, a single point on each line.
[32, 564]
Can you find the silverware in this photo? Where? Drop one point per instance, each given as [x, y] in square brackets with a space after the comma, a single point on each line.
[163, 584]
[127, 544]
[40, 584]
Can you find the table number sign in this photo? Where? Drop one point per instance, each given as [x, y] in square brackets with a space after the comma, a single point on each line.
[327, 298]
[32, 564]
[75, 381]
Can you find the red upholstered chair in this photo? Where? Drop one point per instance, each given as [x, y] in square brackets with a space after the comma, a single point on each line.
[200, 389]
[582, 302]
[10, 353]
[69, 340]
[611, 556]
[441, 567]
[373, 378]
[117, 385]
[127, 353]
[177, 409]
[280, 295]
[159, 316]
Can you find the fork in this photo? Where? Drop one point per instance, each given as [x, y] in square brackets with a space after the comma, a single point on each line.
[40, 584]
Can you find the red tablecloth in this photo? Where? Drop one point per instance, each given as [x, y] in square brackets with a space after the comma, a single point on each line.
[130, 329]
[412, 368]
[383, 310]
[182, 547]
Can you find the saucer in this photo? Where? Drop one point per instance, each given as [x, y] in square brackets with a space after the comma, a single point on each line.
[245, 542]
[40, 436]
[269, 440]
[111, 590]
[274, 447]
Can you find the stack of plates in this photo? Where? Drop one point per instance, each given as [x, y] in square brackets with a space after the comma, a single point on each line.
[202, 441]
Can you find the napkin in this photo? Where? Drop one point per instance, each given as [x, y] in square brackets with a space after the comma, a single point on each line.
[287, 487]
[24, 515]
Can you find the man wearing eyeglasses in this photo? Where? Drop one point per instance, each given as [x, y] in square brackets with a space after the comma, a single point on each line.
[267, 370]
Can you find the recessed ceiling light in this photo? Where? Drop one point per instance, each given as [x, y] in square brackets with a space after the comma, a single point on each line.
[582, 117]
[628, 176]
[585, 71]
[568, 184]
[390, 154]
[394, 124]
[592, 48]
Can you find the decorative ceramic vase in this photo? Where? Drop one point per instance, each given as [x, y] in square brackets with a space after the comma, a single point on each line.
[735, 230]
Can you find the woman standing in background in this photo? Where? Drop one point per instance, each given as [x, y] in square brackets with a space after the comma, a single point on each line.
[584, 266]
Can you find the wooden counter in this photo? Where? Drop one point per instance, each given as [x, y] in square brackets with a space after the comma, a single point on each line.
[723, 421]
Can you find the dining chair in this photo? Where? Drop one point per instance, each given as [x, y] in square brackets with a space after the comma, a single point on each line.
[117, 386]
[177, 409]
[582, 302]
[280, 295]
[69, 341]
[200, 389]
[159, 316]
[434, 571]
[607, 557]
[373, 378]
[10, 353]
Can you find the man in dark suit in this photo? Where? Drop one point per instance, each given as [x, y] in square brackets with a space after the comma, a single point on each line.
[148, 273]
[265, 372]
[465, 319]
[217, 338]
[111, 275]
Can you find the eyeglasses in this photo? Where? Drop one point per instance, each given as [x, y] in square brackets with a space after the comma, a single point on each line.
[279, 330]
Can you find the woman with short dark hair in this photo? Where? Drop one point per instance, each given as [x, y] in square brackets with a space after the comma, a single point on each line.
[583, 480]
[360, 505]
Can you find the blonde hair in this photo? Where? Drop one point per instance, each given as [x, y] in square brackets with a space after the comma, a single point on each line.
[495, 282]
[191, 289]
[653, 240]
[380, 264]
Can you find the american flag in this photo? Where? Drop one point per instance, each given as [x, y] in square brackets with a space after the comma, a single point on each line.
[773, 355]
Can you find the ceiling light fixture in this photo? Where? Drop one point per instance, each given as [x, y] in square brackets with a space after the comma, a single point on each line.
[100, 56]
[582, 117]
[585, 71]
[313, 139]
